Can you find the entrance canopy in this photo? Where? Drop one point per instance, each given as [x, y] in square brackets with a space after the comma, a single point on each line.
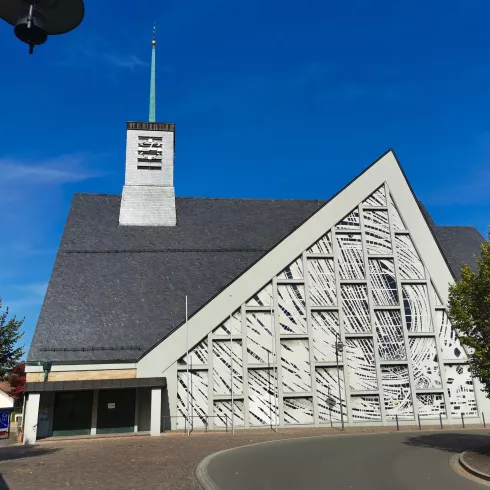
[99, 384]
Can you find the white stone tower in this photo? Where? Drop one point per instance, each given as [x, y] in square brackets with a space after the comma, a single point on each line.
[148, 197]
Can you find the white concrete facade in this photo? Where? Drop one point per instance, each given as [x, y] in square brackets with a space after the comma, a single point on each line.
[391, 379]
[31, 418]
[333, 278]
[6, 401]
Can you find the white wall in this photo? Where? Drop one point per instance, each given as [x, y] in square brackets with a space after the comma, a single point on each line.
[6, 401]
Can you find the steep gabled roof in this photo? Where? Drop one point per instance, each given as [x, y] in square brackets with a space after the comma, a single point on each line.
[116, 291]
[460, 244]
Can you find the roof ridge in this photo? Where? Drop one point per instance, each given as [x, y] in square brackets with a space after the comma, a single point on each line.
[252, 199]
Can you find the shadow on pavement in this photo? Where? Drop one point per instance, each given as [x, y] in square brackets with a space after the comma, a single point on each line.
[20, 452]
[450, 442]
[3, 484]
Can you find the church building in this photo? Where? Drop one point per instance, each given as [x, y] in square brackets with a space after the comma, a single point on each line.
[166, 312]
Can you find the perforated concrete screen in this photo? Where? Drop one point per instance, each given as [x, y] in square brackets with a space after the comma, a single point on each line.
[363, 283]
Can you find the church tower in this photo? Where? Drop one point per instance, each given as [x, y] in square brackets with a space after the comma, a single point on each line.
[148, 197]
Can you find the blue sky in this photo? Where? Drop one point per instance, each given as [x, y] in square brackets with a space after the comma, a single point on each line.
[273, 99]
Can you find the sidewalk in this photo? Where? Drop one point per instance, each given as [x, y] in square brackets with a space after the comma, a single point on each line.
[477, 462]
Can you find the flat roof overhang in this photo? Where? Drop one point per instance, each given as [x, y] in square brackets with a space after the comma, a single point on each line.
[98, 384]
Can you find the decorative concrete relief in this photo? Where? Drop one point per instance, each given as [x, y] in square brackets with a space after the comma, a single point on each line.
[396, 219]
[359, 354]
[409, 262]
[383, 282]
[323, 291]
[192, 403]
[292, 308]
[350, 258]
[461, 390]
[293, 270]
[295, 362]
[389, 329]
[298, 410]
[378, 198]
[322, 246]
[260, 340]
[326, 329]
[262, 397]
[284, 360]
[327, 386]
[396, 391]
[223, 361]
[377, 229]
[417, 308]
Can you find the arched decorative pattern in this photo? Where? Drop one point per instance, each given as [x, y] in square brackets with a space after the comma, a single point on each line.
[363, 283]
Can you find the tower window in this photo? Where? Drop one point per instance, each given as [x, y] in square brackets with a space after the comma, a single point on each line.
[148, 167]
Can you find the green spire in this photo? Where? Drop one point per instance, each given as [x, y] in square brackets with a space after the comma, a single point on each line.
[152, 82]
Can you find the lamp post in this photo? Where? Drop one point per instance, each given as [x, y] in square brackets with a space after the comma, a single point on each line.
[339, 347]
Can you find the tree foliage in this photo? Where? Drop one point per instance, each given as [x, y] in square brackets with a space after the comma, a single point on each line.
[10, 335]
[469, 312]
[17, 380]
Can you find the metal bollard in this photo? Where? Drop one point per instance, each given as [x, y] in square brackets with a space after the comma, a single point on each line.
[483, 416]
[440, 418]
[206, 424]
[420, 427]
[397, 426]
[462, 419]
[226, 421]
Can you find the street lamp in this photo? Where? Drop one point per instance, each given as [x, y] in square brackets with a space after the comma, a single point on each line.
[35, 20]
[339, 347]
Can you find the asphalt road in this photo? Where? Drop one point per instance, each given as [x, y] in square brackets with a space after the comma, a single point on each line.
[396, 461]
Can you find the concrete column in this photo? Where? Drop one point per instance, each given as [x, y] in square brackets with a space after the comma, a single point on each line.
[243, 315]
[372, 315]
[210, 382]
[172, 387]
[95, 406]
[343, 356]
[306, 278]
[31, 415]
[136, 410]
[156, 412]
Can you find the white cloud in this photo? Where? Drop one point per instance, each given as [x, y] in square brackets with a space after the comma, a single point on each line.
[21, 296]
[125, 61]
[60, 170]
[94, 52]
[35, 289]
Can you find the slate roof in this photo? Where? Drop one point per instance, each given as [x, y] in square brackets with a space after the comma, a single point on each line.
[116, 291]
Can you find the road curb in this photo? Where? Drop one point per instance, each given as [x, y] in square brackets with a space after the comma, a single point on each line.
[202, 474]
[470, 469]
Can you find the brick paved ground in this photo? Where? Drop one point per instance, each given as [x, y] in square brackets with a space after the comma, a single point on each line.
[166, 462]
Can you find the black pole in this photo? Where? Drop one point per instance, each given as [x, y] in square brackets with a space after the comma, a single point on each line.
[440, 418]
[397, 426]
[206, 424]
[338, 379]
[462, 419]
[483, 416]
[226, 421]
[420, 427]
[330, 407]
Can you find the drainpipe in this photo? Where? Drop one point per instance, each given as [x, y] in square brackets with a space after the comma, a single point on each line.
[46, 368]
[46, 365]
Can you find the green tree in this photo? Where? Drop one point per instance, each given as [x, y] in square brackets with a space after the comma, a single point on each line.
[10, 335]
[469, 312]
